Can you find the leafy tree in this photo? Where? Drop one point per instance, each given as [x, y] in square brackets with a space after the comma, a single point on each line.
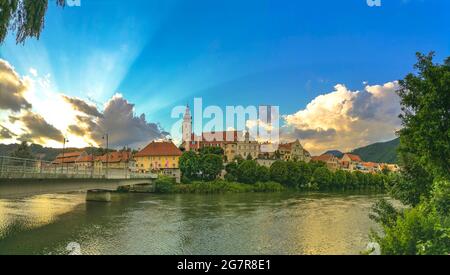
[305, 174]
[278, 172]
[211, 150]
[23, 151]
[190, 165]
[249, 157]
[232, 172]
[425, 100]
[293, 174]
[340, 179]
[24, 17]
[425, 157]
[322, 178]
[263, 174]
[210, 166]
[248, 171]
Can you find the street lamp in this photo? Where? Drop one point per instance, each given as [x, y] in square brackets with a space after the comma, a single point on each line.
[106, 137]
[64, 148]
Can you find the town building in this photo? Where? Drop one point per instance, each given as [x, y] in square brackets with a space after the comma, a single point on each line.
[293, 151]
[351, 162]
[330, 160]
[234, 143]
[69, 158]
[160, 157]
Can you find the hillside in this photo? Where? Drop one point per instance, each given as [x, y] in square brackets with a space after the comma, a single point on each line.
[335, 153]
[39, 151]
[383, 152]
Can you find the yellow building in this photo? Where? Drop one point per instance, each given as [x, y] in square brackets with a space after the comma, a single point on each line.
[159, 157]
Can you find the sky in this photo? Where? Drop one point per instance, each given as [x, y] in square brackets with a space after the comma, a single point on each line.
[122, 66]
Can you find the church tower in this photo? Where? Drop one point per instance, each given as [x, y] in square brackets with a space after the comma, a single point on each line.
[187, 129]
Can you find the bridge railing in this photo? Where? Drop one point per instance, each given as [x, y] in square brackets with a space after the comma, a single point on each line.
[17, 168]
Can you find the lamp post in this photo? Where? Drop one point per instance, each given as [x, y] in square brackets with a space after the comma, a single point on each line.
[106, 137]
[62, 159]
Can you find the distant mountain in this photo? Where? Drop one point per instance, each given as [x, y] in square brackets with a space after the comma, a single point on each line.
[335, 153]
[39, 151]
[383, 152]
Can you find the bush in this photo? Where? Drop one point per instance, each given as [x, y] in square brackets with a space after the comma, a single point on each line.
[248, 172]
[164, 185]
[418, 230]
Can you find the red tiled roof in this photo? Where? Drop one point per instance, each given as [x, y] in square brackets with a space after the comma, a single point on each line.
[122, 156]
[88, 158]
[165, 148]
[370, 164]
[324, 158]
[285, 146]
[70, 154]
[354, 157]
[227, 136]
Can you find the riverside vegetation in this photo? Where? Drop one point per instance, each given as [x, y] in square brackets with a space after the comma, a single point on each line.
[423, 228]
[200, 173]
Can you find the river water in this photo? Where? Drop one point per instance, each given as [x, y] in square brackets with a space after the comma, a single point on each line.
[272, 223]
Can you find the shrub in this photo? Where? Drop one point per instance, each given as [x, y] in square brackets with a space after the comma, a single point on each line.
[164, 185]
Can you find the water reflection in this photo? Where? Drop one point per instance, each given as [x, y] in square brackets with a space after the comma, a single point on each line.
[188, 224]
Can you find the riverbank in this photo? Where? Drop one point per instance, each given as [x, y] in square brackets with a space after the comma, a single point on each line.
[166, 186]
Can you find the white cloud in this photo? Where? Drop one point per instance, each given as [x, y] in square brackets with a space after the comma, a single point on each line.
[345, 119]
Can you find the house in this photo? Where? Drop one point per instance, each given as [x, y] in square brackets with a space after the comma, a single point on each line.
[371, 167]
[69, 158]
[234, 143]
[351, 162]
[330, 160]
[161, 157]
[86, 161]
[293, 151]
[118, 160]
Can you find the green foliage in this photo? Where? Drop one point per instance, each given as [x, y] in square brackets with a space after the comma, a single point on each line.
[305, 174]
[164, 185]
[263, 174]
[278, 172]
[23, 151]
[248, 172]
[419, 230]
[221, 186]
[232, 171]
[190, 165]
[321, 179]
[340, 179]
[25, 18]
[425, 100]
[384, 213]
[210, 166]
[441, 196]
[211, 151]
[424, 154]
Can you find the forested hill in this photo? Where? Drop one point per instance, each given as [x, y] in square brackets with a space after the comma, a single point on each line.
[383, 152]
[37, 150]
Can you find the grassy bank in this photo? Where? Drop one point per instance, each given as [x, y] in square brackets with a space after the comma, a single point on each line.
[166, 186]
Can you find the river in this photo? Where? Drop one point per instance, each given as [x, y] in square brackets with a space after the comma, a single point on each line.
[284, 223]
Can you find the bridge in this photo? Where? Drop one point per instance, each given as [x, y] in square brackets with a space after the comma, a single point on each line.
[26, 177]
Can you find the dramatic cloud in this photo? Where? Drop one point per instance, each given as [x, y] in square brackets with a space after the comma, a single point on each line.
[82, 106]
[5, 133]
[345, 119]
[37, 129]
[119, 121]
[12, 89]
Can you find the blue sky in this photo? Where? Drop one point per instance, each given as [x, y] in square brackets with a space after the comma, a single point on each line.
[159, 54]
